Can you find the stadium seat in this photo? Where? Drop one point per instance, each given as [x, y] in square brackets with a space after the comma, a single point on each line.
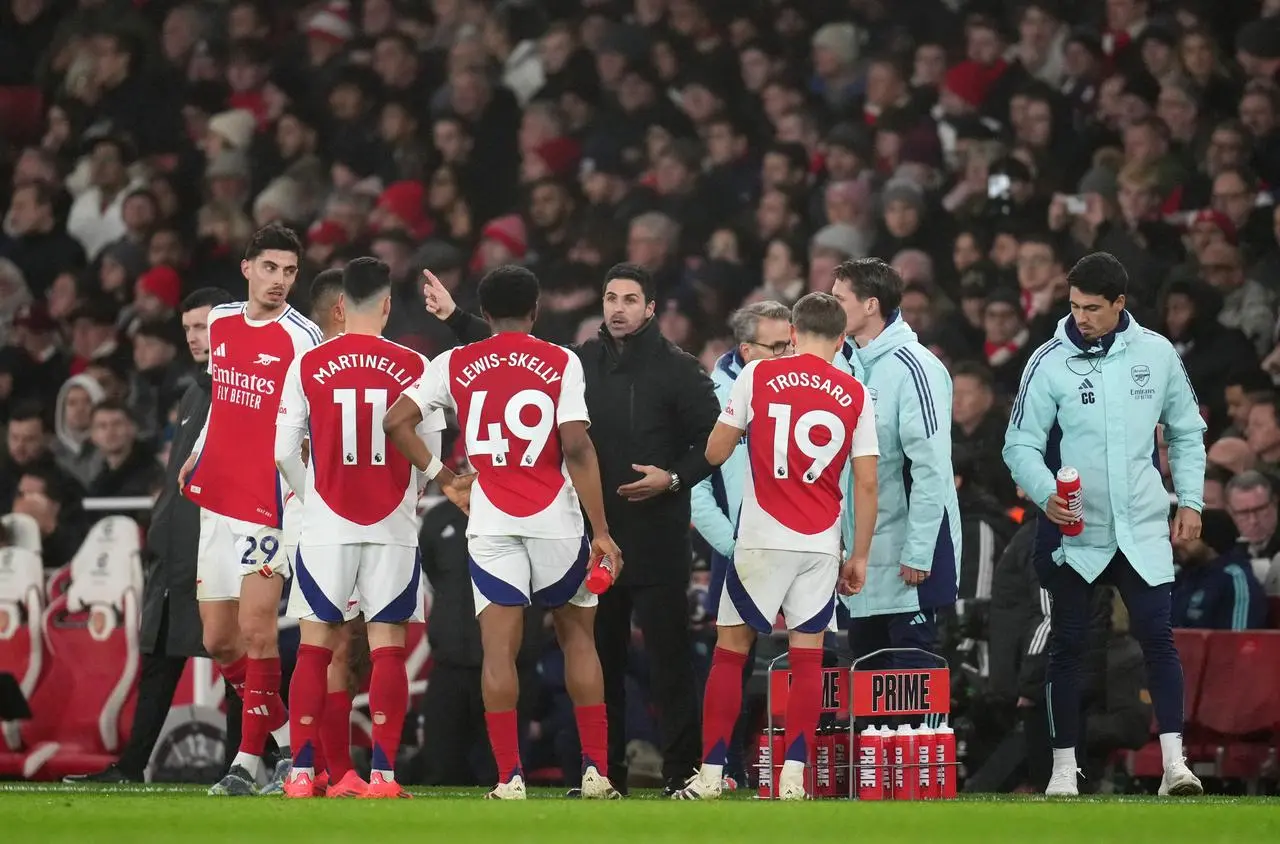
[22, 649]
[92, 633]
[1240, 703]
[24, 531]
[21, 113]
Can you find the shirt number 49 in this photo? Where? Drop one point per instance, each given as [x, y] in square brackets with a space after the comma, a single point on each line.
[820, 453]
[495, 444]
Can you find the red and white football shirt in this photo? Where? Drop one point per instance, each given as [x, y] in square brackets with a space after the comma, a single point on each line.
[512, 393]
[235, 475]
[360, 489]
[804, 420]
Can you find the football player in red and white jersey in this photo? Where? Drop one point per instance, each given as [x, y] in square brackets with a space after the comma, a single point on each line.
[358, 551]
[332, 756]
[231, 474]
[805, 420]
[521, 404]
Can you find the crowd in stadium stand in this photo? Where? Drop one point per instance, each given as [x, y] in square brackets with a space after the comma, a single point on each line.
[737, 149]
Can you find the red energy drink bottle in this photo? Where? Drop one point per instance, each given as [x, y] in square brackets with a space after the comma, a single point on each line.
[840, 757]
[872, 776]
[824, 772]
[1069, 489]
[926, 740]
[600, 575]
[944, 754]
[764, 763]
[905, 761]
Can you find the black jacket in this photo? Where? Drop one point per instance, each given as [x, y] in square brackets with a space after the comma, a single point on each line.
[136, 476]
[453, 632]
[173, 540]
[650, 404]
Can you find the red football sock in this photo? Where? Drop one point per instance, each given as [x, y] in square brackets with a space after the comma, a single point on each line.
[234, 673]
[721, 704]
[804, 702]
[593, 735]
[306, 704]
[388, 701]
[504, 738]
[335, 733]
[262, 705]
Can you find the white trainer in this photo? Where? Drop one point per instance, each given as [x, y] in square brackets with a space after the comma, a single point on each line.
[791, 785]
[1178, 781]
[699, 787]
[596, 786]
[512, 789]
[1063, 784]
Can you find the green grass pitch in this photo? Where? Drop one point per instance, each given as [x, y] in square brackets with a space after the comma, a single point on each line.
[35, 814]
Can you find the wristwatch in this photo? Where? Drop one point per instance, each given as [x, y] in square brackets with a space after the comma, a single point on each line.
[674, 486]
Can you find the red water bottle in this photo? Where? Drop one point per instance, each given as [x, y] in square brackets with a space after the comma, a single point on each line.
[905, 762]
[872, 776]
[926, 740]
[944, 750]
[1069, 489]
[840, 760]
[824, 768]
[600, 575]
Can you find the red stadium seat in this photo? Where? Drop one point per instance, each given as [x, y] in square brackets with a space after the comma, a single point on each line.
[1239, 707]
[21, 113]
[92, 633]
[1193, 650]
[1242, 684]
[22, 651]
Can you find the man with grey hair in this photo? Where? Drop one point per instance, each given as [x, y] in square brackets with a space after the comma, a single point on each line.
[1251, 503]
[652, 240]
[760, 330]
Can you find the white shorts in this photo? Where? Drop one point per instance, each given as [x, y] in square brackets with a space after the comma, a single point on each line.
[335, 583]
[760, 584]
[292, 522]
[507, 570]
[231, 550]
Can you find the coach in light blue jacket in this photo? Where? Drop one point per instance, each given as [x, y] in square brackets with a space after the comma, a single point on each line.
[761, 330]
[1091, 399]
[914, 567]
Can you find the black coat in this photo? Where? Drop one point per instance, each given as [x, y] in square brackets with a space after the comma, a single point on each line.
[650, 404]
[453, 632]
[173, 540]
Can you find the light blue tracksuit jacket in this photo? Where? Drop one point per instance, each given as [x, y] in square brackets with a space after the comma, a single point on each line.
[1095, 407]
[918, 521]
[716, 501]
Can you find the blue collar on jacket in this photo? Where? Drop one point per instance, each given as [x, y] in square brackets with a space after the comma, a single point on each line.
[895, 335]
[1103, 344]
[730, 364]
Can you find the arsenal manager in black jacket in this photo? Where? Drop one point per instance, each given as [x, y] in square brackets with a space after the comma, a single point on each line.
[652, 408]
[171, 629]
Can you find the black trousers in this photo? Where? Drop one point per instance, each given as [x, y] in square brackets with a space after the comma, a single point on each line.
[158, 678]
[662, 613]
[454, 751]
[1072, 609]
